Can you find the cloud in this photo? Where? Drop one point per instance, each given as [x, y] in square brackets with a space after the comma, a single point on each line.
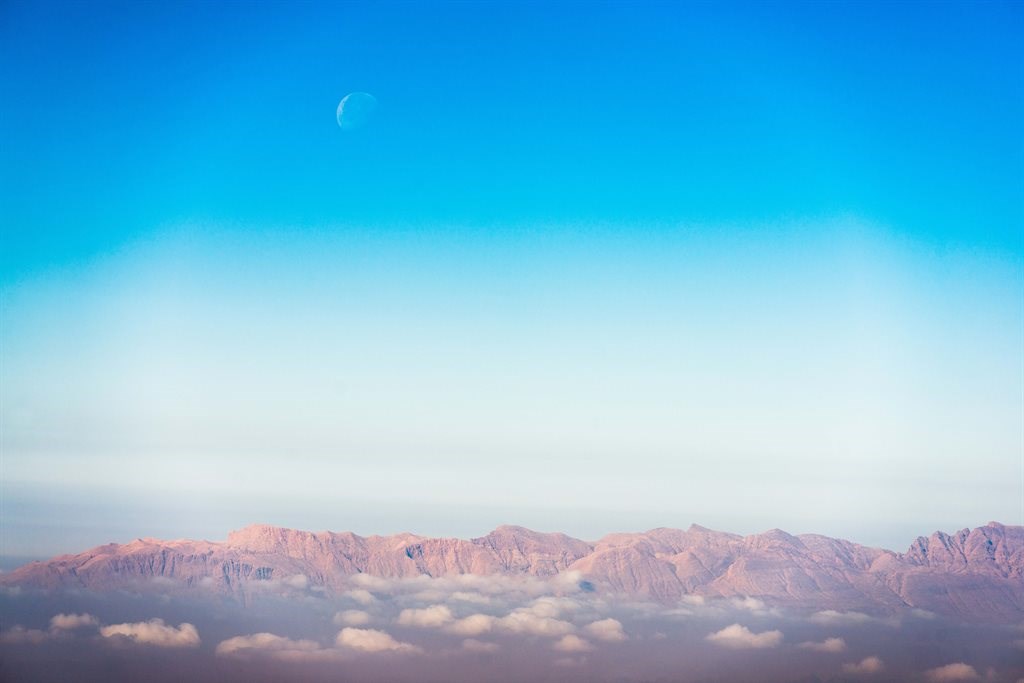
[609, 630]
[60, 626]
[20, 634]
[827, 645]
[431, 595]
[154, 632]
[750, 604]
[521, 621]
[473, 625]
[552, 607]
[739, 637]
[473, 645]
[470, 596]
[952, 672]
[274, 645]
[868, 665]
[352, 617]
[299, 581]
[831, 616]
[434, 616]
[473, 587]
[69, 622]
[371, 640]
[572, 643]
[360, 595]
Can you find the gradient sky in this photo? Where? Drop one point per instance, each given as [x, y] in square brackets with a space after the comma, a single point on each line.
[588, 268]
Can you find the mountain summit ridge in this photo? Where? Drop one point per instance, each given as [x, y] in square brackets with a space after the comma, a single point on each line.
[975, 574]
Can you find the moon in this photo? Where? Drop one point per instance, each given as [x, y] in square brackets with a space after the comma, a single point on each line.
[355, 109]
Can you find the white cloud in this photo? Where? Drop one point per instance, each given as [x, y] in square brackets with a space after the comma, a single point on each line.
[296, 581]
[609, 630]
[69, 622]
[827, 645]
[352, 617]
[572, 643]
[868, 665]
[154, 632]
[952, 672]
[434, 616]
[360, 595]
[470, 596]
[374, 583]
[528, 623]
[371, 640]
[473, 645]
[739, 637]
[473, 625]
[550, 606]
[831, 616]
[257, 643]
[430, 595]
[749, 603]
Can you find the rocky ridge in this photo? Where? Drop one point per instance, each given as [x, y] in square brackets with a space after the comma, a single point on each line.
[975, 574]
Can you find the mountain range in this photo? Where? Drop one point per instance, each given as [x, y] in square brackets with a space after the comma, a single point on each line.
[973, 574]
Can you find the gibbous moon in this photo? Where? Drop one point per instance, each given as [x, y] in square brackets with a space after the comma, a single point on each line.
[355, 109]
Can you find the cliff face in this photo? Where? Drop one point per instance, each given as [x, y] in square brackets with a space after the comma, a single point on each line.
[973, 574]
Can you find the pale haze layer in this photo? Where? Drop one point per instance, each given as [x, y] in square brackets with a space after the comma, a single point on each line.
[823, 376]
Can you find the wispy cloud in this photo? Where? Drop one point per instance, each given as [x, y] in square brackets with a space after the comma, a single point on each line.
[70, 622]
[263, 643]
[827, 645]
[352, 617]
[831, 617]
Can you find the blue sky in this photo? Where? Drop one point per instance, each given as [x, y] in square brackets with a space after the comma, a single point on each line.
[589, 267]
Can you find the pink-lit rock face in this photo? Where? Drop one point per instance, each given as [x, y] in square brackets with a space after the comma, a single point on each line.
[973, 574]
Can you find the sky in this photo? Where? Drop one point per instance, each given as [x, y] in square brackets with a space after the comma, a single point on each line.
[587, 267]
